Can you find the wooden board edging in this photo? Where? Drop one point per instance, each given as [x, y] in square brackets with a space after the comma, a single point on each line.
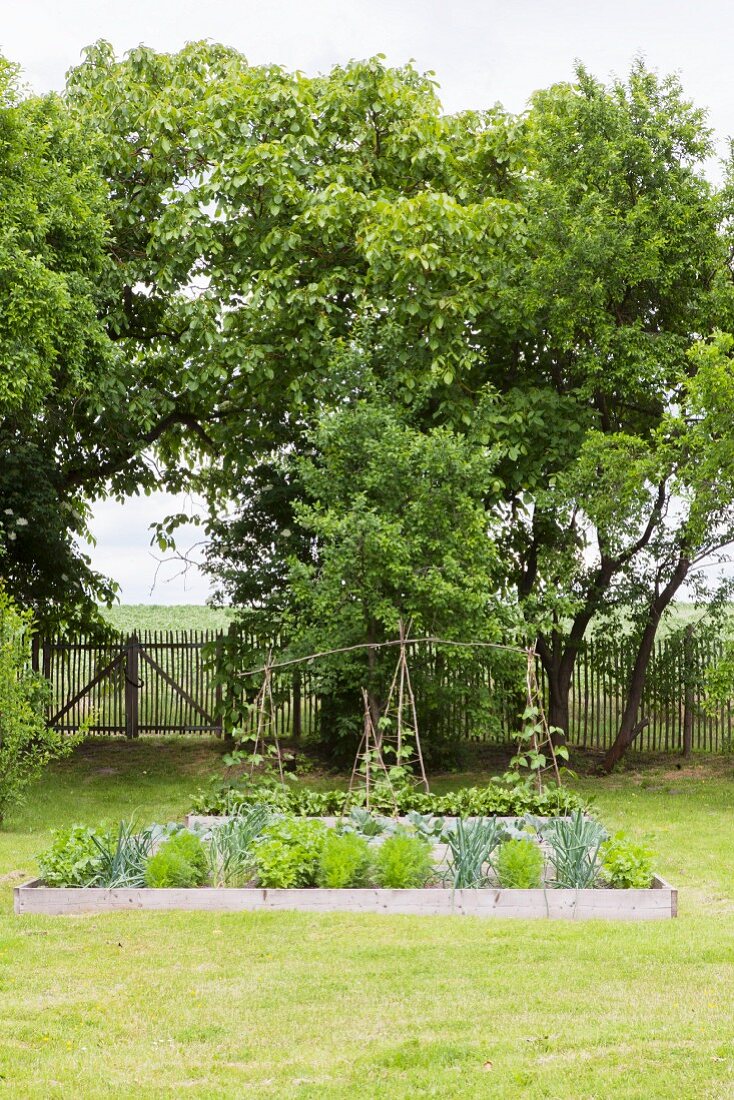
[657, 903]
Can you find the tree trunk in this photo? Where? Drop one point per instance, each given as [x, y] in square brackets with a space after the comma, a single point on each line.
[558, 709]
[558, 663]
[630, 725]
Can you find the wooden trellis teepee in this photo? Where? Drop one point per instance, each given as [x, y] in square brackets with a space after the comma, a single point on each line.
[397, 737]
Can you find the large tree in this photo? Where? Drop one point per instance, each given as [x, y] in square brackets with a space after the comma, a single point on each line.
[628, 268]
[55, 357]
[537, 279]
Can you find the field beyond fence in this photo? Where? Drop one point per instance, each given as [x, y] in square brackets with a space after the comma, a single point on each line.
[166, 682]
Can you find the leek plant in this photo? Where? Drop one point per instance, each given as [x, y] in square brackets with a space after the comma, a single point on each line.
[471, 844]
[229, 846]
[122, 858]
[574, 850]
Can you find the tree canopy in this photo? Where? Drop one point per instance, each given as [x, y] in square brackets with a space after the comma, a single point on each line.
[222, 264]
[56, 358]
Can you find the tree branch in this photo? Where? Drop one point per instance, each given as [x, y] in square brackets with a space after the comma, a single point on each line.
[78, 476]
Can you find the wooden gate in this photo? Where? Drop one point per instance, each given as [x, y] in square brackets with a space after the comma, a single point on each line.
[155, 684]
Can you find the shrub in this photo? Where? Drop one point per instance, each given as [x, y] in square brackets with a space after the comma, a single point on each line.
[520, 865]
[471, 844]
[74, 857]
[403, 862]
[288, 853]
[27, 745]
[180, 861]
[344, 862]
[626, 864]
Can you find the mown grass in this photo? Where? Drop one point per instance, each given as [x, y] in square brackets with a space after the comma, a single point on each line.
[305, 1006]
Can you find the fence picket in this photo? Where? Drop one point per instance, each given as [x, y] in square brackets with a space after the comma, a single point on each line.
[179, 693]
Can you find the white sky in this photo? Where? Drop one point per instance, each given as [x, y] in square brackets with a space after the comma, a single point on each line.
[481, 52]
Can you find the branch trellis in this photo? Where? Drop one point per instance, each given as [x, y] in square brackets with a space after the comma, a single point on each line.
[396, 733]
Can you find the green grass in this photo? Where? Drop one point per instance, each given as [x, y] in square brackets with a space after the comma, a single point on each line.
[140, 616]
[299, 1005]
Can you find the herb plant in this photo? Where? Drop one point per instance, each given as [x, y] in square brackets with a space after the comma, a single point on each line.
[403, 862]
[344, 862]
[181, 861]
[520, 865]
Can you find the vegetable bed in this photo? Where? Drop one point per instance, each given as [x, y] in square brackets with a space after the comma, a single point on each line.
[260, 859]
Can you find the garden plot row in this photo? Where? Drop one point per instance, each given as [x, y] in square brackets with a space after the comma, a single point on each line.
[557, 868]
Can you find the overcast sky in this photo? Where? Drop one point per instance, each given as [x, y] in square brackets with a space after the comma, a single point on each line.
[481, 52]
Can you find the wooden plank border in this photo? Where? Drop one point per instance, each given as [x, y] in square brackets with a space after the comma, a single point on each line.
[657, 903]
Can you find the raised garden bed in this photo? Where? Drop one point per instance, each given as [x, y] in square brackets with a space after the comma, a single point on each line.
[558, 868]
[658, 903]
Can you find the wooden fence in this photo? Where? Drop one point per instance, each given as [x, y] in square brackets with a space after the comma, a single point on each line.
[167, 682]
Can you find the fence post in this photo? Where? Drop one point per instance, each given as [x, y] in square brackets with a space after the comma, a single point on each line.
[296, 731]
[132, 686]
[219, 672]
[688, 690]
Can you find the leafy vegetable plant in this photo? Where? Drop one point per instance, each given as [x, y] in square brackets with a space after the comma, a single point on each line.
[626, 864]
[289, 852]
[497, 798]
[362, 821]
[520, 865]
[403, 862]
[74, 857]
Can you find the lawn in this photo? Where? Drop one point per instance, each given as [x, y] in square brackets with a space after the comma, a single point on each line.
[311, 1006]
